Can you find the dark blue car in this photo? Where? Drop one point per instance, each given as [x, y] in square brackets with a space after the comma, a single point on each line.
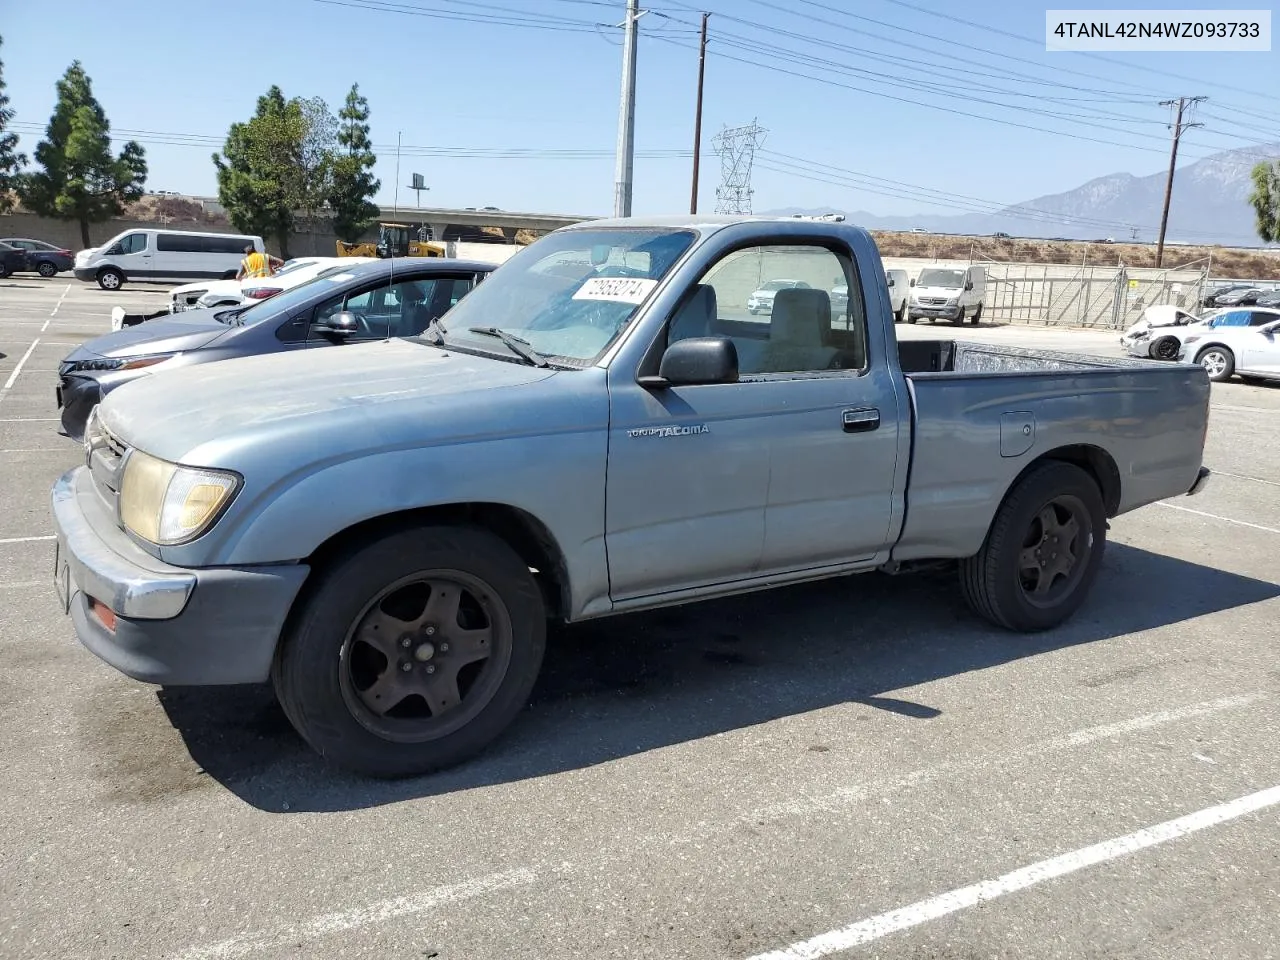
[41, 257]
[396, 297]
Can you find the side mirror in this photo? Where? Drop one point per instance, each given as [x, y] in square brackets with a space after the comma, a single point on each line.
[968, 285]
[912, 283]
[341, 325]
[696, 360]
[891, 281]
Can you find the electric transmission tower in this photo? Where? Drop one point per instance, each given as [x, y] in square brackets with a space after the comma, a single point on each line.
[736, 148]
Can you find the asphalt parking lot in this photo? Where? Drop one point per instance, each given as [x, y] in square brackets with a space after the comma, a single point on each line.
[854, 768]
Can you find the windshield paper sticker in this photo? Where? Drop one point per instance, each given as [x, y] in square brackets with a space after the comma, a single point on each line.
[617, 289]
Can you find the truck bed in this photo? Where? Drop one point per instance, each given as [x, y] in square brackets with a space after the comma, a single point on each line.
[1137, 425]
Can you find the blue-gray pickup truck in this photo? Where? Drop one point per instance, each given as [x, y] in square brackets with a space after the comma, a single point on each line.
[602, 426]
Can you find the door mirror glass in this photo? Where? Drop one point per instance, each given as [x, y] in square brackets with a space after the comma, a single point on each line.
[341, 325]
[699, 360]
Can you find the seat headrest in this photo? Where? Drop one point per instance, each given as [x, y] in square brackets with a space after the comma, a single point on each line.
[799, 314]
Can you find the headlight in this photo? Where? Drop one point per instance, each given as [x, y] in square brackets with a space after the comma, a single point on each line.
[953, 301]
[118, 363]
[165, 503]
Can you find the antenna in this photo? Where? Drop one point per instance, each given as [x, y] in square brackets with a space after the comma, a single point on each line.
[395, 217]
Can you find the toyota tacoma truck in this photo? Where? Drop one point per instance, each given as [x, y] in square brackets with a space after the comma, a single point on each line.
[383, 532]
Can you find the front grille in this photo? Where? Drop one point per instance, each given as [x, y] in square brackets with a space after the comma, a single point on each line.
[933, 301]
[106, 457]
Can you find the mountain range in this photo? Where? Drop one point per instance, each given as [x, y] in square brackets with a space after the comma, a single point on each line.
[1209, 206]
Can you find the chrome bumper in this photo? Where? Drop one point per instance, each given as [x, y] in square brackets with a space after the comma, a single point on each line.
[84, 561]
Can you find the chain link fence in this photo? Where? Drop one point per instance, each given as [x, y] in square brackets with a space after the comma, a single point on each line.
[1109, 298]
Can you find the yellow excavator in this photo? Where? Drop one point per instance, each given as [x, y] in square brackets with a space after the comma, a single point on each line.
[394, 240]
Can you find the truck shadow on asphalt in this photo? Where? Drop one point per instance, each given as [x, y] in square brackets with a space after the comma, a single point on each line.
[622, 686]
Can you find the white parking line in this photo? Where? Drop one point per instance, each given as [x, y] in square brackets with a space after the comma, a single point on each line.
[53, 313]
[8, 384]
[362, 916]
[1214, 516]
[873, 928]
[28, 539]
[1241, 476]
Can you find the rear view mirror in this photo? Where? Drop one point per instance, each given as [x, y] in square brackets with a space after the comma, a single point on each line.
[600, 254]
[696, 360]
[342, 325]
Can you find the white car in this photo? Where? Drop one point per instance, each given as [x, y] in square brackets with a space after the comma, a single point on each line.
[232, 293]
[1165, 342]
[761, 300]
[1250, 349]
[1156, 335]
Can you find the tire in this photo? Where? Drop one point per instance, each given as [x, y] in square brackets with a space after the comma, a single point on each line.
[977, 315]
[995, 580]
[1165, 348]
[109, 278]
[322, 663]
[910, 318]
[46, 269]
[959, 320]
[1218, 362]
[901, 314]
[4, 270]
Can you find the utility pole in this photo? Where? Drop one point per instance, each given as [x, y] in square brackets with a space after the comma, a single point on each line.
[1178, 128]
[626, 115]
[697, 117]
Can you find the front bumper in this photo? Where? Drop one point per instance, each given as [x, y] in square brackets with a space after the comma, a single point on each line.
[936, 312]
[85, 273]
[76, 396]
[172, 625]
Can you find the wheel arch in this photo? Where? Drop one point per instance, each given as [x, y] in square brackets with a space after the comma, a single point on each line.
[1093, 460]
[518, 528]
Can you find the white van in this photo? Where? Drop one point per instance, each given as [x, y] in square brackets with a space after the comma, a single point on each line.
[164, 255]
[948, 293]
[899, 293]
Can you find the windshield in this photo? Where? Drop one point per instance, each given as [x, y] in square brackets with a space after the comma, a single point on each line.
[941, 278]
[570, 294]
[288, 299]
[776, 284]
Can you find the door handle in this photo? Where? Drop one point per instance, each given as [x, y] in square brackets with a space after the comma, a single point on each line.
[861, 420]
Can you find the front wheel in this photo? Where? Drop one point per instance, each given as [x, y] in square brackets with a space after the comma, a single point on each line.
[110, 279]
[977, 315]
[1165, 348]
[1218, 362]
[1043, 550]
[413, 652]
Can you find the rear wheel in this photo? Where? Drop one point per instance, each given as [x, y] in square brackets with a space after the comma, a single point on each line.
[47, 269]
[413, 652]
[1218, 362]
[1043, 550]
[109, 278]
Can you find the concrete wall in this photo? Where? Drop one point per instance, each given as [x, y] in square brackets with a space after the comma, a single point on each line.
[310, 239]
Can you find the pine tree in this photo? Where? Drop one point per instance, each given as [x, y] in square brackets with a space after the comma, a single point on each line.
[79, 178]
[354, 184]
[11, 162]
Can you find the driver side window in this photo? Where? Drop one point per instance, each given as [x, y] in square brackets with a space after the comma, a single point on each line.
[789, 309]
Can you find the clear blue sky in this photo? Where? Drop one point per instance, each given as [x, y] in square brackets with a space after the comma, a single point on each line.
[547, 79]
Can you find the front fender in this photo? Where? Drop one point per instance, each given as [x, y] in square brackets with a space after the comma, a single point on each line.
[558, 479]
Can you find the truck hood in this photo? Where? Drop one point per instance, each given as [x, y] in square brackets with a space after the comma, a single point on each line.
[938, 291]
[334, 399]
[187, 331]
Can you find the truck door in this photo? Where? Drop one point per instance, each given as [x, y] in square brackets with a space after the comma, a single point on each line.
[791, 467]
